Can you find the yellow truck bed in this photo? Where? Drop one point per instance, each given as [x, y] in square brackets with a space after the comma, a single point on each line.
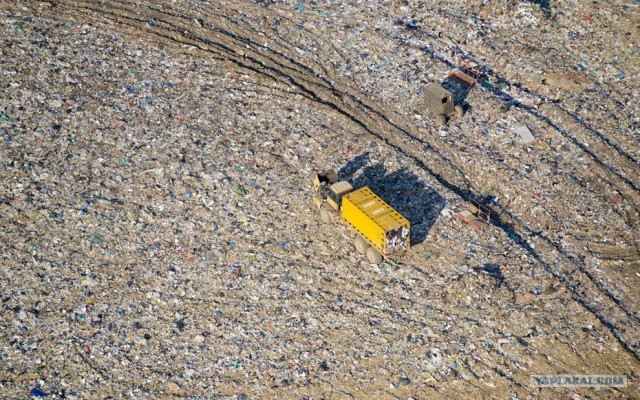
[376, 221]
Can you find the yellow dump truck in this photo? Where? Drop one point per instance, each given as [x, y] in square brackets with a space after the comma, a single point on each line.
[378, 229]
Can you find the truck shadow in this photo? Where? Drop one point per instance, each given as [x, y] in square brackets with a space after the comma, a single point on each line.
[401, 189]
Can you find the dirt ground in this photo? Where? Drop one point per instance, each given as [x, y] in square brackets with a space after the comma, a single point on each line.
[159, 238]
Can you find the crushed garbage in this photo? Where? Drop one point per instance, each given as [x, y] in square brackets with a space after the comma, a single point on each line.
[526, 135]
[158, 237]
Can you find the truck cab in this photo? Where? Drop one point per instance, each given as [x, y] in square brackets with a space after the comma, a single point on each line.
[439, 101]
[378, 229]
[329, 192]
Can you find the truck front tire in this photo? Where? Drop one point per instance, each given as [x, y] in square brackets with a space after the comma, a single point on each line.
[325, 215]
[459, 111]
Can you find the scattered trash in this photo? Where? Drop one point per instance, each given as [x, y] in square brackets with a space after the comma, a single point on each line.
[564, 81]
[38, 393]
[525, 134]
[525, 298]
[173, 388]
[158, 234]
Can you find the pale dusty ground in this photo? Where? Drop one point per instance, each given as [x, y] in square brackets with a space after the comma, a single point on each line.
[158, 238]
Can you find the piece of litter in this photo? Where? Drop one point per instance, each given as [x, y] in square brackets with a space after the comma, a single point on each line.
[525, 134]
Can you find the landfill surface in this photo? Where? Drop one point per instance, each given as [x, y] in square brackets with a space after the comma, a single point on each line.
[158, 238]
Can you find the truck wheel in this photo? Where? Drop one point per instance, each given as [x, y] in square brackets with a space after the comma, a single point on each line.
[374, 255]
[325, 215]
[361, 245]
[459, 111]
[441, 119]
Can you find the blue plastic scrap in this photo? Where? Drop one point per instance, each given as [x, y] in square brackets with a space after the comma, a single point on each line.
[38, 393]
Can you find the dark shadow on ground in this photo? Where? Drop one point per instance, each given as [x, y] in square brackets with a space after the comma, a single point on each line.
[402, 189]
